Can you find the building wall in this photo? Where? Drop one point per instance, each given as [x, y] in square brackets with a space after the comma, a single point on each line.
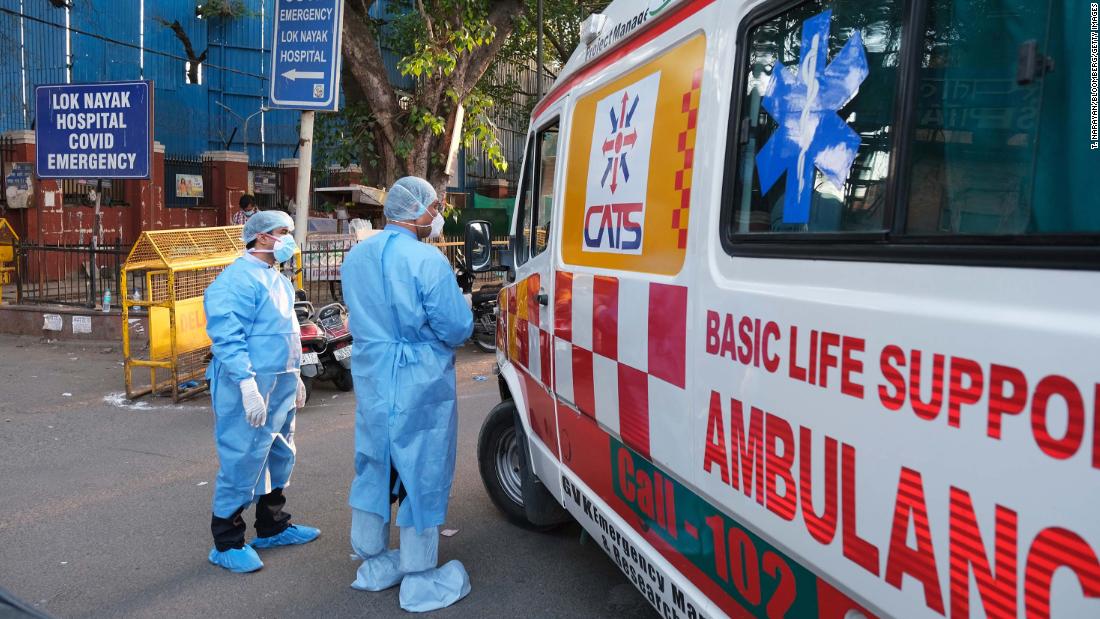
[188, 119]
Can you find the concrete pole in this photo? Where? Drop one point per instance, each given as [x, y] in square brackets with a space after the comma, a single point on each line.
[305, 170]
[538, 54]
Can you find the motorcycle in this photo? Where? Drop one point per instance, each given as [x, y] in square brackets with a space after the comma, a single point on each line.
[336, 358]
[314, 341]
[483, 303]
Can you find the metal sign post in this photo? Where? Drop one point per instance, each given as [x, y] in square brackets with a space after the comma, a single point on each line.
[305, 169]
[305, 75]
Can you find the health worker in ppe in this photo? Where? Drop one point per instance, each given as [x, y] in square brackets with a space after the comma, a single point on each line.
[255, 387]
[407, 315]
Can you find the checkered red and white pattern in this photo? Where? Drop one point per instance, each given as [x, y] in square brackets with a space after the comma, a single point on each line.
[529, 329]
[628, 337]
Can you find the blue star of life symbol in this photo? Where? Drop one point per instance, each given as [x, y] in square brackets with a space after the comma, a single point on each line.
[804, 101]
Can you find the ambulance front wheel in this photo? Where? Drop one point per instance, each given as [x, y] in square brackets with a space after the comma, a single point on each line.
[500, 461]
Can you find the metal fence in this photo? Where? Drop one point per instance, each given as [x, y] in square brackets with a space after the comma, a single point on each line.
[179, 185]
[80, 191]
[321, 266]
[76, 275]
[265, 185]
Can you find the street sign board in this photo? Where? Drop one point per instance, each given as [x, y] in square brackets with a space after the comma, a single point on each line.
[305, 55]
[100, 130]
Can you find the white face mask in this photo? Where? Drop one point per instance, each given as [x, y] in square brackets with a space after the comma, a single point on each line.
[436, 226]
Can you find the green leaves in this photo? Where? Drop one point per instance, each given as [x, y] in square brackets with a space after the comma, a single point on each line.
[432, 44]
[480, 129]
[423, 119]
[428, 61]
[345, 138]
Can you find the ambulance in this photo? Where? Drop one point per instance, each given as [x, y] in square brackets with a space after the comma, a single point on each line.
[804, 314]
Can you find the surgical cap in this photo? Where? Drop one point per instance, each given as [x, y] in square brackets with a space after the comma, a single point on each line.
[408, 199]
[263, 222]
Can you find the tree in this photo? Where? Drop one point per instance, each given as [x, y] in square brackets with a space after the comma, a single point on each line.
[561, 36]
[208, 9]
[449, 48]
[445, 46]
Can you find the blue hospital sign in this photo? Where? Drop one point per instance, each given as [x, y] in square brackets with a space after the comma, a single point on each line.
[305, 54]
[101, 130]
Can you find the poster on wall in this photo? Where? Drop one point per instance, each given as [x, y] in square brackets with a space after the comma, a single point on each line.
[17, 184]
[189, 186]
[263, 183]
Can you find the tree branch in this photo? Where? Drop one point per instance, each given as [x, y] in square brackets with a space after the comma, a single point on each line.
[502, 17]
[427, 19]
[188, 49]
[563, 53]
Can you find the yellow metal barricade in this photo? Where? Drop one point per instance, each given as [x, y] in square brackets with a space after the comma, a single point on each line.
[176, 267]
[8, 255]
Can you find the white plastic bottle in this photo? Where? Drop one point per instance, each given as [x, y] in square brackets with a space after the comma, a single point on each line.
[106, 301]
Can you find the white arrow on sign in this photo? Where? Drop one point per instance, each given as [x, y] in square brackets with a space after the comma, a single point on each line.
[294, 74]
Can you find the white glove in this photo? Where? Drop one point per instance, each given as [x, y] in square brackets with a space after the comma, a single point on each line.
[469, 300]
[300, 400]
[255, 409]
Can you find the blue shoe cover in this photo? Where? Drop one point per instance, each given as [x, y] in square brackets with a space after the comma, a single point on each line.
[435, 588]
[369, 534]
[379, 572]
[239, 560]
[294, 534]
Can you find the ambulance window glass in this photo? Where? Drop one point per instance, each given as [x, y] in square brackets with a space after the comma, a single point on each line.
[523, 230]
[997, 149]
[547, 145]
[816, 120]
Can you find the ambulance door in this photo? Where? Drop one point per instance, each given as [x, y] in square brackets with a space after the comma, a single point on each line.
[531, 321]
[621, 295]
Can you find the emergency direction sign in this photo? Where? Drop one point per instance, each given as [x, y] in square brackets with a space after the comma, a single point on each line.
[305, 55]
[100, 130]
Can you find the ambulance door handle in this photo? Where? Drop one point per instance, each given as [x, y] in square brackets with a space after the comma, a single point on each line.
[542, 297]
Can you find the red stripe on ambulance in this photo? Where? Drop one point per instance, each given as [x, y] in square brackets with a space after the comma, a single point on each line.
[657, 27]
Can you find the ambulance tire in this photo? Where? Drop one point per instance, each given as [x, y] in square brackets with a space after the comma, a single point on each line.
[498, 459]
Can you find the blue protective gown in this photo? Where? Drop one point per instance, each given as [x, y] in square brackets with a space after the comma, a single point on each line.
[407, 315]
[251, 323]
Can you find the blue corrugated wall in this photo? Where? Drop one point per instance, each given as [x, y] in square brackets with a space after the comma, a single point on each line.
[187, 116]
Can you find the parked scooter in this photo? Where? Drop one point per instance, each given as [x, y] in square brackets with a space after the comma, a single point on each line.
[483, 303]
[336, 359]
[326, 344]
[314, 341]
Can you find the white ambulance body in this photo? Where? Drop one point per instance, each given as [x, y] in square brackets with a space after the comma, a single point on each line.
[805, 318]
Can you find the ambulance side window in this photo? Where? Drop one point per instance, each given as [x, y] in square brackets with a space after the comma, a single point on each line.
[547, 145]
[536, 207]
[999, 149]
[523, 230]
[816, 124]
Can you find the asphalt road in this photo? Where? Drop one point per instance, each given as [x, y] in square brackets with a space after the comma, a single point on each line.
[105, 508]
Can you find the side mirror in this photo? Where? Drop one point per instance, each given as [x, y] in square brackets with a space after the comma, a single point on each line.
[479, 246]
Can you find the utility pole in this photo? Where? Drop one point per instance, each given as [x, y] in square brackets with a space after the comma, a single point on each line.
[538, 52]
[305, 171]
